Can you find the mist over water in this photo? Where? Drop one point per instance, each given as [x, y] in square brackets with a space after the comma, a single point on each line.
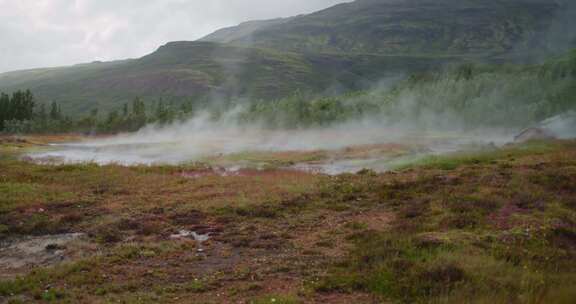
[349, 147]
[202, 137]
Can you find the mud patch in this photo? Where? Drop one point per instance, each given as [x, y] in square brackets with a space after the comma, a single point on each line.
[20, 255]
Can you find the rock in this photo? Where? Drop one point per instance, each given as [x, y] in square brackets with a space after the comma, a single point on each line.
[534, 133]
[562, 126]
[54, 247]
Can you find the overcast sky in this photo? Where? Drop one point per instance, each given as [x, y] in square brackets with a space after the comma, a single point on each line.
[43, 33]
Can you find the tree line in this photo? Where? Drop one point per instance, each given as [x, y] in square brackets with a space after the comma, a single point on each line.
[16, 107]
[21, 113]
[135, 115]
[466, 96]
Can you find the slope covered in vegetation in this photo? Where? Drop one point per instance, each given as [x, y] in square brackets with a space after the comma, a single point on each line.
[340, 49]
[496, 227]
[407, 27]
[461, 97]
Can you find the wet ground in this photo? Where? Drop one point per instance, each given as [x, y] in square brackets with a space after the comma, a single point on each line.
[227, 155]
[18, 255]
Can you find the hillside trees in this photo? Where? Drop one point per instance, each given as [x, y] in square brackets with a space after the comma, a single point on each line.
[467, 96]
[20, 113]
[132, 117]
[19, 107]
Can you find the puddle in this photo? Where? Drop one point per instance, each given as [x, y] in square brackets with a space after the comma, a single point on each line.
[198, 237]
[219, 171]
[343, 166]
[35, 251]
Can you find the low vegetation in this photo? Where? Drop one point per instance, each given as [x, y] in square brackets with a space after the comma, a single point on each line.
[498, 227]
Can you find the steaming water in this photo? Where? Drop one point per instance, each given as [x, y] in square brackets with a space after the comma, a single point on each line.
[106, 152]
[198, 139]
[201, 138]
[562, 126]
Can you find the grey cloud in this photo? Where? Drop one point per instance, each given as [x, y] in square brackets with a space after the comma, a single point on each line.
[38, 33]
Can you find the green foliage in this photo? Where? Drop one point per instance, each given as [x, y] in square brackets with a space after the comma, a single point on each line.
[453, 161]
[408, 270]
[196, 286]
[16, 108]
[20, 114]
[52, 295]
[472, 96]
[395, 267]
[303, 111]
[561, 67]
[466, 96]
[408, 27]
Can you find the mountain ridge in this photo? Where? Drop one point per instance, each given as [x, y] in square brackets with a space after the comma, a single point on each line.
[346, 46]
[409, 26]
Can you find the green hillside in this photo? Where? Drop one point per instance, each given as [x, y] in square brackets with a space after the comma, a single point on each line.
[207, 71]
[344, 48]
[179, 69]
[466, 96]
[407, 27]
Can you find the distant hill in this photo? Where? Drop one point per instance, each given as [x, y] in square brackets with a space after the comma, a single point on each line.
[202, 71]
[345, 47]
[407, 27]
[244, 31]
[178, 69]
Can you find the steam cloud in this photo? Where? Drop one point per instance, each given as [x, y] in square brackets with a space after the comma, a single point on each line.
[202, 137]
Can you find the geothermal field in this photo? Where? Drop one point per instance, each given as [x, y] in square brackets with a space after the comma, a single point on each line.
[288, 152]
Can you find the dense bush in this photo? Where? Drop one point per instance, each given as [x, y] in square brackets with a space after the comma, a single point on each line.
[466, 96]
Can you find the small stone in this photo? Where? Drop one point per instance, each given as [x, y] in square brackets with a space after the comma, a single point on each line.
[54, 247]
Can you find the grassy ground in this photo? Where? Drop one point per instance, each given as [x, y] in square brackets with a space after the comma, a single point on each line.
[283, 159]
[496, 227]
